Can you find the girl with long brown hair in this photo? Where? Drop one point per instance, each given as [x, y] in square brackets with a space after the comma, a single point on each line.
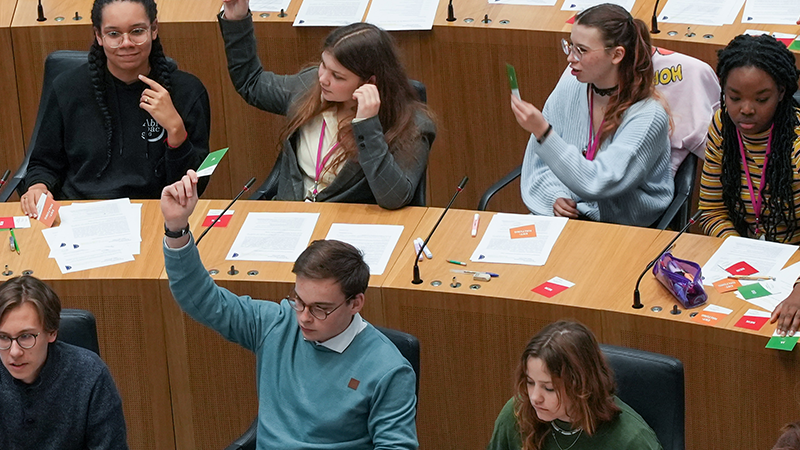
[356, 131]
[600, 148]
[565, 399]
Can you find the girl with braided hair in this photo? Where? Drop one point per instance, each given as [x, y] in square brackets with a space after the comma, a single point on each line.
[124, 124]
[751, 184]
[600, 147]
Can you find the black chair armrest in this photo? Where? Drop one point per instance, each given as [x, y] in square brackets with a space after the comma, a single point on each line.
[500, 184]
[678, 212]
[247, 441]
[269, 188]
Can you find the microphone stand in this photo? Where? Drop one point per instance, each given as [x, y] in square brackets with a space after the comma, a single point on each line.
[637, 301]
[654, 21]
[417, 279]
[244, 189]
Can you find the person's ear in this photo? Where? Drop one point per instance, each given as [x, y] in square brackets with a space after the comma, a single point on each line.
[154, 30]
[781, 92]
[356, 303]
[617, 54]
[98, 36]
[52, 336]
[373, 80]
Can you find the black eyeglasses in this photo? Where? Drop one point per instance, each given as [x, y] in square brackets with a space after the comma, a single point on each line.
[317, 311]
[25, 341]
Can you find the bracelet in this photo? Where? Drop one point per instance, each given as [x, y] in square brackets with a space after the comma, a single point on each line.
[176, 234]
[546, 133]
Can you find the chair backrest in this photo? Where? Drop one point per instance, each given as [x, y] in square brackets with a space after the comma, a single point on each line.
[678, 212]
[653, 385]
[56, 63]
[79, 327]
[269, 188]
[408, 346]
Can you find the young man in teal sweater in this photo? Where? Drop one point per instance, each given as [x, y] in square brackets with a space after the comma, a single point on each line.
[327, 379]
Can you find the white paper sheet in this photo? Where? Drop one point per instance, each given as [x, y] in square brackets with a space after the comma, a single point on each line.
[330, 12]
[273, 236]
[498, 247]
[376, 242]
[90, 259]
[766, 257]
[701, 12]
[269, 5]
[523, 2]
[393, 15]
[779, 289]
[580, 5]
[784, 12]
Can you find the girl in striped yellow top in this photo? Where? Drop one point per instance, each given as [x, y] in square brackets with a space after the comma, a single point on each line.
[751, 184]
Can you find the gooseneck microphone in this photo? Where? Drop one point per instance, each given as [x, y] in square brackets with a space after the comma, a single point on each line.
[40, 13]
[637, 302]
[4, 179]
[417, 279]
[654, 21]
[244, 189]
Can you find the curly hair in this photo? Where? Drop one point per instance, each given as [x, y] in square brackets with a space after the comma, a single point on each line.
[578, 370]
[635, 71]
[161, 68]
[767, 54]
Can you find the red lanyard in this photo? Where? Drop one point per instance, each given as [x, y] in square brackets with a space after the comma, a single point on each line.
[320, 165]
[757, 201]
[594, 138]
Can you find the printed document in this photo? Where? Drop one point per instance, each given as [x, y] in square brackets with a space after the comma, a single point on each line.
[266, 236]
[701, 12]
[376, 242]
[766, 257]
[394, 15]
[531, 245]
[782, 12]
[331, 13]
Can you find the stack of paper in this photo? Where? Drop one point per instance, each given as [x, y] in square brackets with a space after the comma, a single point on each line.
[519, 239]
[701, 12]
[95, 235]
[277, 237]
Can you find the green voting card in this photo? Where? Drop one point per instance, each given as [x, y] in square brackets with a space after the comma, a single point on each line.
[754, 290]
[210, 164]
[782, 342]
[795, 45]
[512, 79]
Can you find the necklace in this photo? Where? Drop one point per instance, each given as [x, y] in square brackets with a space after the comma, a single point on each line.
[565, 432]
[573, 442]
[604, 92]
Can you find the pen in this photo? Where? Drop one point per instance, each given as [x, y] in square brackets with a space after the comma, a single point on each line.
[475, 221]
[473, 272]
[417, 245]
[425, 249]
[14, 238]
[456, 262]
[751, 277]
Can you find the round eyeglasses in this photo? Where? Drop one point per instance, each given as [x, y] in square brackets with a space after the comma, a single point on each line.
[138, 36]
[577, 51]
[317, 311]
[25, 341]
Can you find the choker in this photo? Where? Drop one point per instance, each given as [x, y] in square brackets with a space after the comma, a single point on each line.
[604, 92]
[565, 432]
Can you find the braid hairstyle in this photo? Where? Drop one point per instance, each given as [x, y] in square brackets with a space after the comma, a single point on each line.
[767, 54]
[161, 69]
[635, 71]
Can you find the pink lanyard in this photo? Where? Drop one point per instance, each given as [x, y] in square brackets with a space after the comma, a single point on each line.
[594, 138]
[756, 200]
[320, 165]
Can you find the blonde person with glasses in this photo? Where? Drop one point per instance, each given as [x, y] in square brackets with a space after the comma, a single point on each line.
[600, 147]
[126, 123]
[53, 395]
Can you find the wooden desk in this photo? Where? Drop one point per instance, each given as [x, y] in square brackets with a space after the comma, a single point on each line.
[10, 126]
[124, 299]
[212, 380]
[728, 403]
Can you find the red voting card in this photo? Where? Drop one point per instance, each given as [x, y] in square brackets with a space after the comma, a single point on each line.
[741, 268]
[752, 322]
[549, 289]
[6, 222]
[221, 223]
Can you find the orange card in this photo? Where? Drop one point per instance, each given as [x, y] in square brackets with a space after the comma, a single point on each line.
[708, 317]
[48, 210]
[727, 285]
[525, 231]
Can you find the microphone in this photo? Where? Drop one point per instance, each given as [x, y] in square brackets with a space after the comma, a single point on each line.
[637, 302]
[244, 189]
[417, 279]
[5, 178]
[654, 21]
[451, 17]
[41, 17]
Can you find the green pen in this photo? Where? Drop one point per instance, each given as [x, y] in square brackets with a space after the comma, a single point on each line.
[451, 261]
[14, 238]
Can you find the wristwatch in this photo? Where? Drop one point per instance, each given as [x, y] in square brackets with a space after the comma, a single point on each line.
[176, 234]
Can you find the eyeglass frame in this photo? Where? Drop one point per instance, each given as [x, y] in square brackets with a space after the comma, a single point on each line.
[122, 36]
[572, 49]
[293, 302]
[11, 341]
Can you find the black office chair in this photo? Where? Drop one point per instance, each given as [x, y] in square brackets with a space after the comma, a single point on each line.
[406, 343]
[653, 385]
[676, 215]
[56, 63]
[79, 327]
[269, 188]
